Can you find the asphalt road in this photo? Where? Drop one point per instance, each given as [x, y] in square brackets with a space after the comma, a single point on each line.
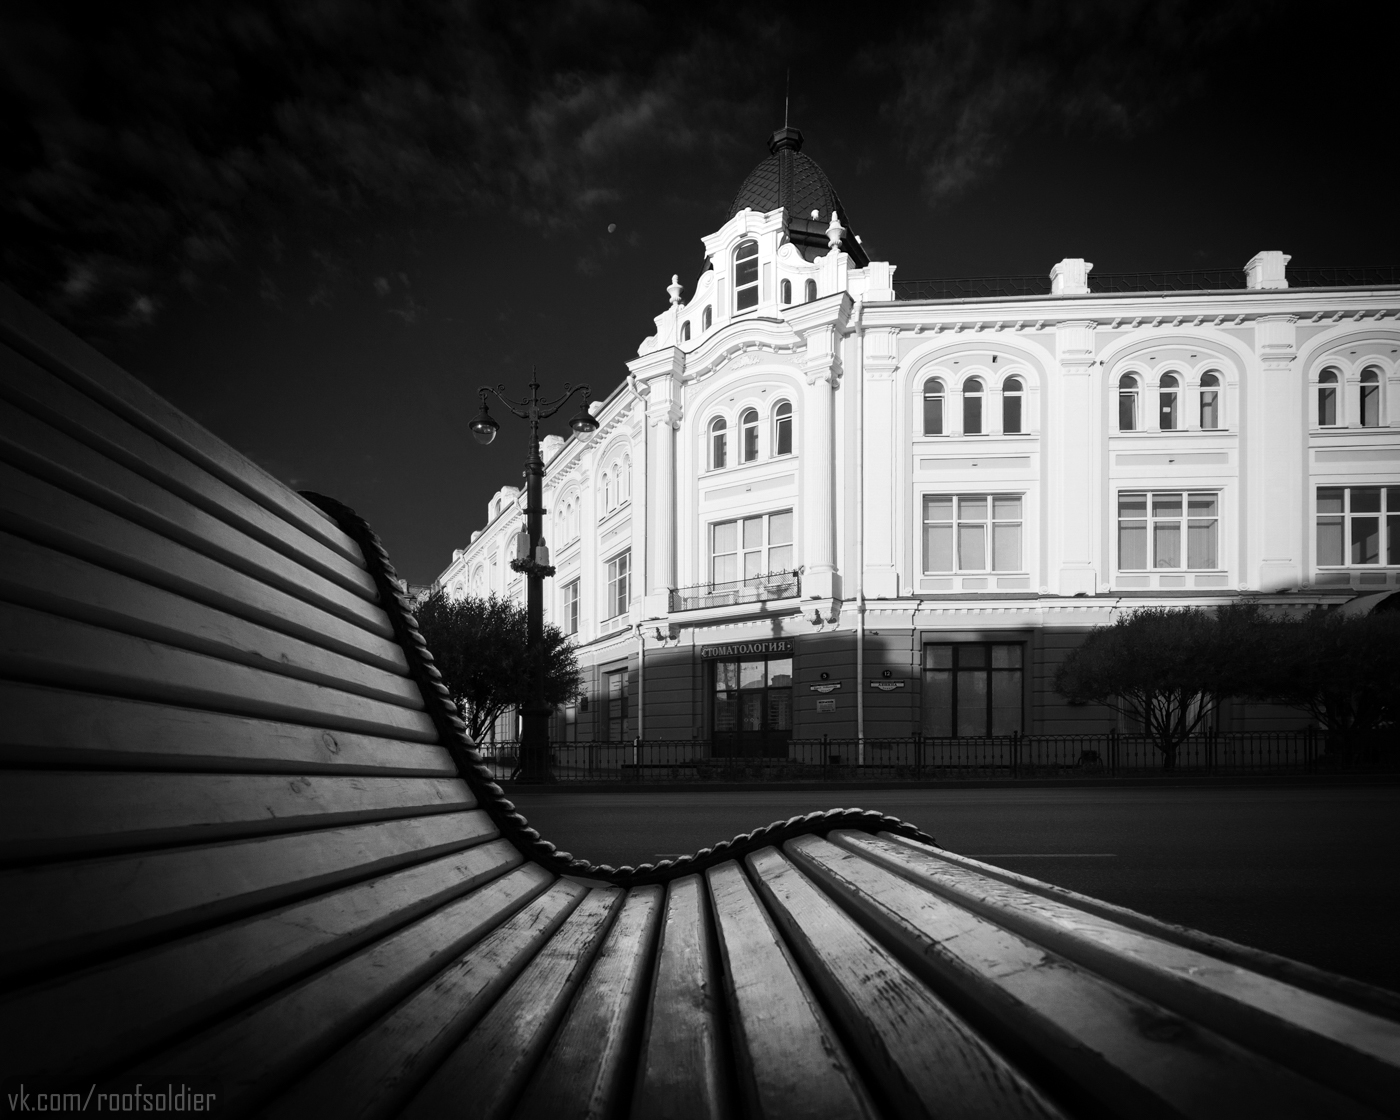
[1311, 873]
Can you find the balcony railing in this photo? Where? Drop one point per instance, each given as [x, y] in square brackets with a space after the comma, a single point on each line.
[1112, 283]
[756, 589]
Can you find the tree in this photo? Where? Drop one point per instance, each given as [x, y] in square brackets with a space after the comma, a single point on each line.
[1168, 669]
[481, 649]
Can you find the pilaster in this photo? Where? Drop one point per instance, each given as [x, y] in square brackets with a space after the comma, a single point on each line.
[1274, 446]
[1074, 474]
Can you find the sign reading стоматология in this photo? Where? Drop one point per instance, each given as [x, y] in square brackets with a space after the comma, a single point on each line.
[748, 649]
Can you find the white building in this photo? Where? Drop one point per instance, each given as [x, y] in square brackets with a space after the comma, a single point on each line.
[921, 494]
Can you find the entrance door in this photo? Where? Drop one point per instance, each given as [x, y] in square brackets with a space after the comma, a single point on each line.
[752, 708]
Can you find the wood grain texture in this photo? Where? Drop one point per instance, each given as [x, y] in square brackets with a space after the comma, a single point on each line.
[921, 1058]
[38, 338]
[792, 1064]
[106, 1015]
[257, 1053]
[45, 579]
[46, 649]
[63, 407]
[683, 1069]
[373, 1075]
[1121, 1051]
[33, 446]
[484, 1075]
[83, 906]
[51, 814]
[581, 1076]
[46, 726]
[40, 511]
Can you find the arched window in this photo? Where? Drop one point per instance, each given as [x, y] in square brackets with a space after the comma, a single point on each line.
[607, 492]
[972, 406]
[933, 407]
[706, 318]
[782, 429]
[685, 331]
[785, 292]
[1327, 398]
[718, 443]
[1168, 392]
[746, 275]
[1011, 394]
[811, 290]
[1210, 400]
[1370, 398]
[748, 435]
[1127, 403]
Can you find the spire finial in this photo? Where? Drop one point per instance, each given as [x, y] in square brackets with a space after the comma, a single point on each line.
[674, 289]
[787, 94]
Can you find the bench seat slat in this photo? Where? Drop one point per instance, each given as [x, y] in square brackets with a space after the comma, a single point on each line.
[39, 577]
[257, 1053]
[683, 1068]
[1133, 1056]
[47, 649]
[489, 1067]
[100, 904]
[581, 1075]
[30, 444]
[62, 353]
[792, 1064]
[373, 1075]
[926, 1061]
[103, 1016]
[46, 726]
[44, 513]
[60, 405]
[61, 813]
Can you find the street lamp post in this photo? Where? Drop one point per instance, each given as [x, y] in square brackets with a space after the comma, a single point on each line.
[533, 558]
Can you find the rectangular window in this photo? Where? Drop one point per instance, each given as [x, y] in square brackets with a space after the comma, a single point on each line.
[615, 706]
[1127, 411]
[570, 611]
[1011, 414]
[619, 596]
[973, 688]
[1370, 406]
[1326, 406]
[1210, 409]
[1168, 530]
[751, 547]
[972, 533]
[1358, 525]
[933, 414]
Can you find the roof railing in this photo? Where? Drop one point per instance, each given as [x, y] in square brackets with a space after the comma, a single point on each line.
[755, 589]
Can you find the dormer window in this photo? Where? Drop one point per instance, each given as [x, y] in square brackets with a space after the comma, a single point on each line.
[811, 290]
[748, 426]
[785, 292]
[685, 331]
[746, 275]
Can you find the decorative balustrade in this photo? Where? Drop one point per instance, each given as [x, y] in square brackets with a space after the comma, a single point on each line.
[755, 589]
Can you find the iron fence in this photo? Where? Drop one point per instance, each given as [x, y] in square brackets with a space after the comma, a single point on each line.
[755, 589]
[1109, 755]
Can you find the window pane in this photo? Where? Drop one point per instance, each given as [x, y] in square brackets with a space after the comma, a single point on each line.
[1006, 507]
[972, 657]
[938, 699]
[780, 558]
[972, 548]
[1127, 412]
[751, 443]
[752, 674]
[750, 711]
[746, 272]
[1168, 420]
[1166, 505]
[1329, 540]
[972, 415]
[1006, 702]
[1201, 505]
[1392, 499]
[726, 568]
[1210, 409]
[780, 709]
[726, 675]
[1365, 499]
[780, 672]
[938, 548]
[972, 702]
[1329, 499]
[1006, 548]
[747, 297]
[753, 564]
[1132, 505]
[726, 711]
[938, 508]
[1393, 539]
[1326, 406]
[1132, 545]
[1006, 657]
[719, 451]
[933, 416]
[1365, 540]
[1370, 406]
[972, 508]
[1010, 414]
[753, 532]
[938, 657]
[780, 528]
[1166, 544]
[784, 436]
[1200, 544]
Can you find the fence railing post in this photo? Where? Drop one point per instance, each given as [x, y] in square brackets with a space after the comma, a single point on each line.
[1113, 751]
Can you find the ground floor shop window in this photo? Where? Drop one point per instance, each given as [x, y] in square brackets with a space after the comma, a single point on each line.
[973, 688]
[751, 706]
[614, 720]
[1358, 525]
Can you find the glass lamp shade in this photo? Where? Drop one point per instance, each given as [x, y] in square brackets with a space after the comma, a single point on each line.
[484, 428]
[583, 423]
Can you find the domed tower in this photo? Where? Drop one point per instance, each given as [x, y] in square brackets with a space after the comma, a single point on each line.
[793, 181]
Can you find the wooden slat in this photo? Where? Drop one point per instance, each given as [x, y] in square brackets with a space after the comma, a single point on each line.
[1120, 1051]
[373, 1075]
[63, 407]
[47, 453]
[923, 1059]
[255, 1054]
[1353, 1051]
[104, 1016]
[683, 1071]
[59, 727]
[48, 814]
[490, 1066]
[40, 511]
[581, 1075]
[792, 1064]
[40, 339]
[90, 905]
[46, 649]
[40, 577]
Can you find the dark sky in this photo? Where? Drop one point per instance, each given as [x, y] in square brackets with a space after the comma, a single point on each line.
[318, 227]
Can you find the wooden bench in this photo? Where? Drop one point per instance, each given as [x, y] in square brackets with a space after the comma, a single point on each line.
[248, 849]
